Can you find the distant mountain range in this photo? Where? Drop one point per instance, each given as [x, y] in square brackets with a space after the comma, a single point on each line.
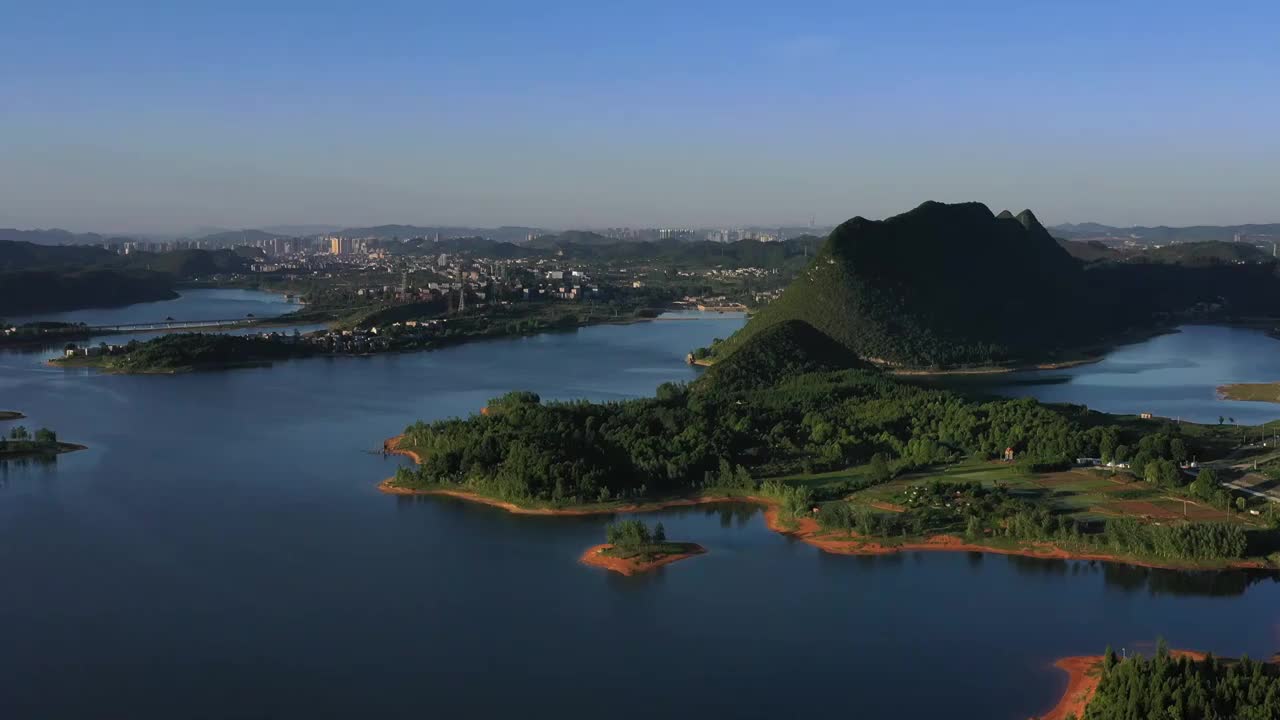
[55, 236]
[1164, 234]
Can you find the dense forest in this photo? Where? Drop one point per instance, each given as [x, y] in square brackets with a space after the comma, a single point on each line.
[188, 351]
[32, 291]
[733, 426]
[1181, 687]
[953, 285]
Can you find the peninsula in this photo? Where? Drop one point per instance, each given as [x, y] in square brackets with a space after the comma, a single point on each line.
[1182, 684]
[185, 352]
[855, 461]
[631, 548]
[1251, 392]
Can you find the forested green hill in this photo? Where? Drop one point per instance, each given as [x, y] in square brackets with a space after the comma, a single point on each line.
[940, 285]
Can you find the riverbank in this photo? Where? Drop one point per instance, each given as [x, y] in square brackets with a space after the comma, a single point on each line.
[1084, 674]
[1251, 392]
[1083, 356]
[96, 363]
[807, 530]
[596, 556]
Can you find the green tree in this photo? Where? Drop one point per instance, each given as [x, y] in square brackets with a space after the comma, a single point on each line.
[659, 533]
[46, 436]
[878, 469]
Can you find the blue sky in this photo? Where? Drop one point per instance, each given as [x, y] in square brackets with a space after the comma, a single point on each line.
[161, 116]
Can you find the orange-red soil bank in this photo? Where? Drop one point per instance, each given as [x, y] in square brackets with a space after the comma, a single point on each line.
[595, 557]
[1084, 673]
[805, 529]
[392, 447]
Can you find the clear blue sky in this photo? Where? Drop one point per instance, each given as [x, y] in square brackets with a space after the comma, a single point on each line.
[157, 116]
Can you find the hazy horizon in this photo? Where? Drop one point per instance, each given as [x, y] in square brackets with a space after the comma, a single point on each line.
[142, 119]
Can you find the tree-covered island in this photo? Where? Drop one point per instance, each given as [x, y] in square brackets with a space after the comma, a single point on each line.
[631, 547]
[19, 442]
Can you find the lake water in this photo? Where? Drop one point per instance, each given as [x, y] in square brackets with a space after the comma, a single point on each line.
[221, 551]
[1173, 375]
[198, 304]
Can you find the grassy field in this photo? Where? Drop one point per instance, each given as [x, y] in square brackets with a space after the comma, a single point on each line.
[1252, 392]
[1085, 494]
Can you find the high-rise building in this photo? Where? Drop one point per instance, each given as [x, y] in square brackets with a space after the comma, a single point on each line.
[339, 245]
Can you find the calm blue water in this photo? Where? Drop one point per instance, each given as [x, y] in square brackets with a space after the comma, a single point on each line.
[221, 551]
[1173, 376]
[200, 304]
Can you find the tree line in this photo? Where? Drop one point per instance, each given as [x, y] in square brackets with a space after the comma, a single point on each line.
[1164, 686]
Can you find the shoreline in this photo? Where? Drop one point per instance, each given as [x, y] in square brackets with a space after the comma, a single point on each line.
[1083, 677]
[594, 557]
[1241, 392]
[806, 529]
[1092, 356]
[62, 449]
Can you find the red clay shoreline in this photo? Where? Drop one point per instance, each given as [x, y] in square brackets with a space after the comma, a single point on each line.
[806, 529]
[1083, 677]
[595, 558]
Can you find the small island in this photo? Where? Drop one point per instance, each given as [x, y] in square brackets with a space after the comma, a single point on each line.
[185, 352]
[633, 548]
[22, 443]
[1182, 683]
[11, 415]
[1251, 392]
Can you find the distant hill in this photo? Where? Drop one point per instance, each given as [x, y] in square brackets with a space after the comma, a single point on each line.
[1196, 254]
[33, 291]
[299, 230]
[582, 238]
[43, 278]
[23, 255]
[939, 285]
[1090, 250]
[1163, 234]
[506, 233]
[54, 236]
[183, 264]
[1204, 253]
[483, 247]
[790, 347]
[244, 237]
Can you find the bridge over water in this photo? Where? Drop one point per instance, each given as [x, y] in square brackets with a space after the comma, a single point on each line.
[169, 324]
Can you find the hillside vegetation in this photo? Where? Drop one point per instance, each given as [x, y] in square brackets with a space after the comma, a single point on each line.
[955, 285]
[940, 285]
[49, 278]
